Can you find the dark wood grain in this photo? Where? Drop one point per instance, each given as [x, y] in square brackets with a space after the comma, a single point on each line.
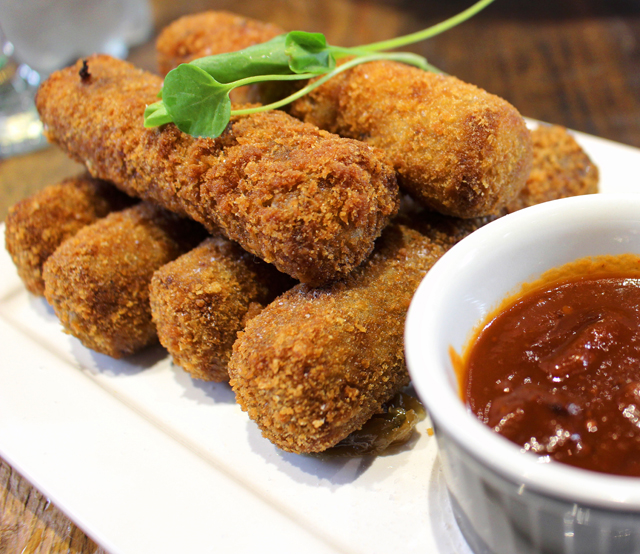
[576, 63]
[572, 62]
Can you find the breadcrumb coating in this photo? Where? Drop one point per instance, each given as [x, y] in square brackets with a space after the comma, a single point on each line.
[37, 225]
[202, 299]
[317, 363]
[307, 201]
[457, 149]
[209, 33]
[561, 168]
[98, 280]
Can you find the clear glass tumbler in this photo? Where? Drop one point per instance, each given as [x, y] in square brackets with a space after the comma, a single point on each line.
[40, 36]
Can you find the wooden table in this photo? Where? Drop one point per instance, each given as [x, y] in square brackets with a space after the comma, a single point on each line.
[571, 62]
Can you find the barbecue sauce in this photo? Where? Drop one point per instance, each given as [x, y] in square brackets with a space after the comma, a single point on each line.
[556, 369]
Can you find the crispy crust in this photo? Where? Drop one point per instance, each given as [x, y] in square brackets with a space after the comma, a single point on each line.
[457, 149]
[316, 364]
[98, 280]
[208, 33]
[203, 298]
[308, 201]
[37, 225]
[560, 169]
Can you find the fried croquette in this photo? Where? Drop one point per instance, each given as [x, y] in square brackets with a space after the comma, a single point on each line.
[303, 199]
[37, 225]
[317, 363]
[295, 366]
[457, 149]
[561, 168]
[209, 33]
[202, 299]
[98, 280]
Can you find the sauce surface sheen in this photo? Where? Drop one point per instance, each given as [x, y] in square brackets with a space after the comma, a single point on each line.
[558, 372]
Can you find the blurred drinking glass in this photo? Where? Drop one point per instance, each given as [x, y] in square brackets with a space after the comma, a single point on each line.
[40, 36]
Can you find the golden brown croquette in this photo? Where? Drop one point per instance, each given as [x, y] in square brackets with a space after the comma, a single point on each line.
[561, 168]
[203, 298]
[317, 363]
[37, 225]
[209, 33]
[457, 149]
[98, 280]
[307, 201]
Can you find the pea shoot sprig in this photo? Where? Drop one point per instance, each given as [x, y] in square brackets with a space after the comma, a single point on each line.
[195, 95]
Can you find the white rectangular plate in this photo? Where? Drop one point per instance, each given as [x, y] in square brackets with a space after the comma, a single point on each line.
[145, 460]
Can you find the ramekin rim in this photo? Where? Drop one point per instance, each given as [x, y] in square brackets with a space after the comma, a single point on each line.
[551, 479]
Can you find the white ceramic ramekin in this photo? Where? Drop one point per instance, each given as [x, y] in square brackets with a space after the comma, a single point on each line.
[507, 501]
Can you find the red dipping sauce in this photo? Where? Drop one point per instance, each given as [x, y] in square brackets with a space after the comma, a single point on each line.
[556, 369]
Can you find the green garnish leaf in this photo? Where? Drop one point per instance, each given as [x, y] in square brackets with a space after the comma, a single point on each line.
[197, 103]
[308, 52]
[156, 114]
[195, 96]
[268, 58]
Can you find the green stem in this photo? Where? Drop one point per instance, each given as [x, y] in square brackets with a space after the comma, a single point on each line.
[425, 33]
[275, 77]
[405, 57]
